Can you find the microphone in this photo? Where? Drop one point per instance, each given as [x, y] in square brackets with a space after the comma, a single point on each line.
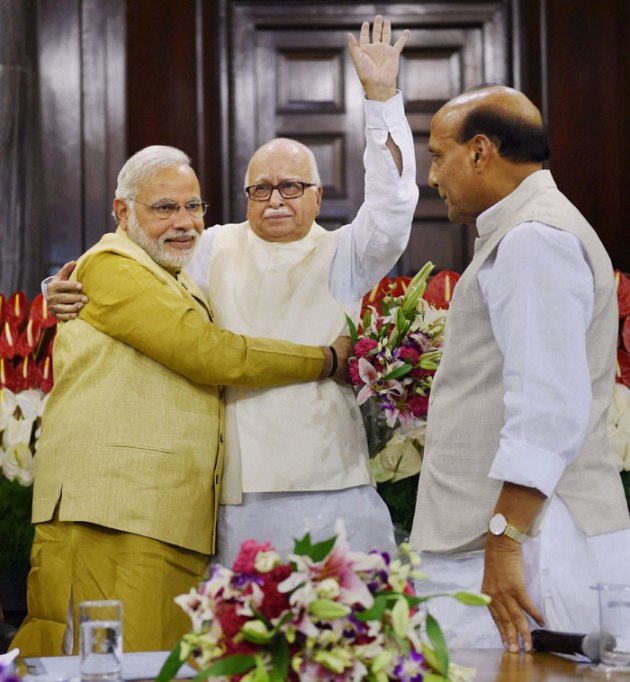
[572, 643]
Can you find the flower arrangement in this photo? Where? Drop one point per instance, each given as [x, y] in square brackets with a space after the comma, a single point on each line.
[619, 413]
[325, 614]
[397, 348]
[26, 332]
[396, 353]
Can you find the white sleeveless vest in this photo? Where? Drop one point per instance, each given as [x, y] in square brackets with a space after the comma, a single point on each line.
[455, 496]
[294, 438]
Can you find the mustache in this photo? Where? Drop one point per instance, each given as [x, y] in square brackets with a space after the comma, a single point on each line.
[276, 211]
[178, 234]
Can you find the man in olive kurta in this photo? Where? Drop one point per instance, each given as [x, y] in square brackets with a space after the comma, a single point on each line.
[131, 453]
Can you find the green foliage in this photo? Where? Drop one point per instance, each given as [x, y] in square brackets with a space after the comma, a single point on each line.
[400, 497]
[16, 530]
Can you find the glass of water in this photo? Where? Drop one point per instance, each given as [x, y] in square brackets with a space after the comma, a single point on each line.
[100, 640]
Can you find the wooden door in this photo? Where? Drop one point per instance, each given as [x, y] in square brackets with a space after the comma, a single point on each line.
[290, 75]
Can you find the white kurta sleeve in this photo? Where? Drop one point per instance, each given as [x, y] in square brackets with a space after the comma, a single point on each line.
[371, 244]
[539, 290]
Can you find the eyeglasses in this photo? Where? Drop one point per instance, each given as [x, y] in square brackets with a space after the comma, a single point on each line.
[289, 189]
[167, 209]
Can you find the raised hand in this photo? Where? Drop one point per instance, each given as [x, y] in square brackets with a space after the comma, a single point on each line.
[377, 62]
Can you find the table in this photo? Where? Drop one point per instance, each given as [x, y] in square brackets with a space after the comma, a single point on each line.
[494, 665]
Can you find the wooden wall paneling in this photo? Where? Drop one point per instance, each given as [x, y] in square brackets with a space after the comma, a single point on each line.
[81, 50]
[162, 99]
[174, 70]
[59, 51]
[589, 110]
[104, 84]
[20, 228]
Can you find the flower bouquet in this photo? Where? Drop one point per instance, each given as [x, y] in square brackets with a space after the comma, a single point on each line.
[396, 353]
[325, 614]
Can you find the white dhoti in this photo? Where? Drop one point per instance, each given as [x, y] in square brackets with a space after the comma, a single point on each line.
[282, 518]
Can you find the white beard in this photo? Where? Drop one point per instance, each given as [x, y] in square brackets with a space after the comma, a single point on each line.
[157, 248]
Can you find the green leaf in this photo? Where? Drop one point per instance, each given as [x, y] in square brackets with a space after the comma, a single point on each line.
[398, 372]
[353, 330]
[473, 598]
[231, 665]
[434, 633]
[280, 659]
[376, 611]
[316, 552]
[171, 665]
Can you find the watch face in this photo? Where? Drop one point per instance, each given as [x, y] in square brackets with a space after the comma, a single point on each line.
[497, 524]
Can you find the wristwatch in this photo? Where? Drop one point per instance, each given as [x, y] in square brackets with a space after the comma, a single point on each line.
[499, 525]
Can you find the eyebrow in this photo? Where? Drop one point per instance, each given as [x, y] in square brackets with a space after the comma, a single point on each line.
[265, 180]
[195, 197]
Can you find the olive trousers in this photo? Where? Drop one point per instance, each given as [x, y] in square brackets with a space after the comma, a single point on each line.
[73, 562]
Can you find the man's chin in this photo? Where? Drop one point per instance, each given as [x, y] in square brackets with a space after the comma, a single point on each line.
[174, 258]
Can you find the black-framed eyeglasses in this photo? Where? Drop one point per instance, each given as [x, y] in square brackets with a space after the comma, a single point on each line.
[167, 209]
[289, 189]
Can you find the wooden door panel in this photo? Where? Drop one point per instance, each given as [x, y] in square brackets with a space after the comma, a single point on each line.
[293, 77]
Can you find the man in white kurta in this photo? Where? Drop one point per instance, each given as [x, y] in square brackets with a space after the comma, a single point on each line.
[517, 418]
[297, 460]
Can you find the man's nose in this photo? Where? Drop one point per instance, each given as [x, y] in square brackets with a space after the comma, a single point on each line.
[276, 199]
[432, 178]
[182, 217]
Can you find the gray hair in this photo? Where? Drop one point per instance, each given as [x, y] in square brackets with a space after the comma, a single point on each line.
[314, 172]
[143, 164]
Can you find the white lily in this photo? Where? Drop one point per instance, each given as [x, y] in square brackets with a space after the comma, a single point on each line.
[619, 426]
[31, 403]
[8, 403]
[17, 430]
[19, 464]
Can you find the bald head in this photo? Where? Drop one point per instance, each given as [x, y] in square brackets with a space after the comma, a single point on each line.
[483, 144]
[506, 116]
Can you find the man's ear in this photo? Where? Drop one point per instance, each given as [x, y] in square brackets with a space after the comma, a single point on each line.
[121, 211]
[320, 193]
[481, 150]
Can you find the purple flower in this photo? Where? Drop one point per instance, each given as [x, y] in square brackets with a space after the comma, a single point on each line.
[410, 668]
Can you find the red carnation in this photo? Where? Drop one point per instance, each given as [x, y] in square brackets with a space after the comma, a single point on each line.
[275, 602]
[364, 346]
[419, 405]
[230, 621]
[353, 371]
[246, 558]
[409, 355]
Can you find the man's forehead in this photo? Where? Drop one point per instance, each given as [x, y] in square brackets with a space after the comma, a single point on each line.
[170, 181]
[286, 162]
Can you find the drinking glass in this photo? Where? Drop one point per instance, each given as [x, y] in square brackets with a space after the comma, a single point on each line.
[100, 640]
[614, 622]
